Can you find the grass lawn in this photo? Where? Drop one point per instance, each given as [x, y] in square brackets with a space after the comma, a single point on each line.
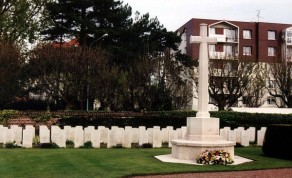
[113, 162]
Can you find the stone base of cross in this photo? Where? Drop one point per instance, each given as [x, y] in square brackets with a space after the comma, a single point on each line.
[202, 131]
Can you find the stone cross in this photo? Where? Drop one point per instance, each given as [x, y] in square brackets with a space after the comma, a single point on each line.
[203, 40]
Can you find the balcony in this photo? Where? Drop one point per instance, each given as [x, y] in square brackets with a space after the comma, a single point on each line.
[225, 39]
[223, 56]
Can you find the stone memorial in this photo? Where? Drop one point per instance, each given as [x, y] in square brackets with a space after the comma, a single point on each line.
[202, 130]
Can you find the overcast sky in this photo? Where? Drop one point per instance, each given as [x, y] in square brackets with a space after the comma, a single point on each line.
[174, 13]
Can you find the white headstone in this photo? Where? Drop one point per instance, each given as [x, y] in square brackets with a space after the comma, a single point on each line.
[251, 133]
[261, 136]
[120, 136]
[95, 138]
[78, 137]
[135, 136]
[112, 139]
[244, 138]
[150, 135]
[164, 135]
[17, 134]
[143, 135]
[157, 141]
[58, 136]
[179, 133]
[69, 132]
[3, 134]
[88, 132]
[232, 136]
[128, 137]
[184, 132]
[44, 134]
[28, 134]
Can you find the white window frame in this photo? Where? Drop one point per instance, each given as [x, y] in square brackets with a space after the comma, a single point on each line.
[271, 51]
[246, 51]
[271, 35]
[246, 34]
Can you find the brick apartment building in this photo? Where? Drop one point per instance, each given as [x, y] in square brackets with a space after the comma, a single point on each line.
[240, 41]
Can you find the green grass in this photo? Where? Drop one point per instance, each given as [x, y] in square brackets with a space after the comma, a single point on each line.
[113, 162]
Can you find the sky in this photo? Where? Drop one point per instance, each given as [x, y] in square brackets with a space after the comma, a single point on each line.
[175, 13]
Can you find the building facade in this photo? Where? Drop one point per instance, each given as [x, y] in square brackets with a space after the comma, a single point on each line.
[237, 41]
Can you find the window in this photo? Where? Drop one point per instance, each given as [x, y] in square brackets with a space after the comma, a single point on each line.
[271, 101]
[289, 37]
[271, 35]
[247, 50]
[246, 34]
[271, 51]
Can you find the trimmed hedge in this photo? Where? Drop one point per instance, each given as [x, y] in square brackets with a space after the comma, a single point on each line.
[177, 119]
[278, 142]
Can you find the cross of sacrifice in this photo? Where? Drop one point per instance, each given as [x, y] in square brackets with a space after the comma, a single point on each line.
[203, 98]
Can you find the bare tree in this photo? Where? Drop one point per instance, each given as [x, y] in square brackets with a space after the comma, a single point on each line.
[256, 88]
[281, 75]
[64, 74]
[228, 82]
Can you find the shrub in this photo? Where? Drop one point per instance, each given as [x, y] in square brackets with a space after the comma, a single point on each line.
[10, 145]
[278, 142]
[146, 145]
[87, 144]
[69, 144]
[49, 145]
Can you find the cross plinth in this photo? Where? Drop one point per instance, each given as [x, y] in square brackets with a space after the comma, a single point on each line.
[203, 98]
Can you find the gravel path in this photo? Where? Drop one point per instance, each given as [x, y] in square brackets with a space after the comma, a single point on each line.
[269, 173]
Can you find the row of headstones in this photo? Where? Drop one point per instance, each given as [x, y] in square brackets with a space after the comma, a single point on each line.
[116, 135]
[244, 137]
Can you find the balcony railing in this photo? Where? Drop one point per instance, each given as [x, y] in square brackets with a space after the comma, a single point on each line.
[223, 56]
[225, 39]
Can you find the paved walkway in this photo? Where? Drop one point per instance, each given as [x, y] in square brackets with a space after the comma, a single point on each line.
[269, 173]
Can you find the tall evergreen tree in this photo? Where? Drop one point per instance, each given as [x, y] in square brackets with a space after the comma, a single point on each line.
[87, 20]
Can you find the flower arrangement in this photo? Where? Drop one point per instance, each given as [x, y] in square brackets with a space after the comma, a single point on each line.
[215, 157]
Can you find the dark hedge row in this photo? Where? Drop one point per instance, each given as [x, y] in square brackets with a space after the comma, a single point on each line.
[177, 119]
[278, 142]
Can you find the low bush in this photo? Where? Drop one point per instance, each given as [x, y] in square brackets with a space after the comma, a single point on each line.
[278, 142]
[87, 144]
[10, 145]
[146, 145]
[70, 144]
[48, 145]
